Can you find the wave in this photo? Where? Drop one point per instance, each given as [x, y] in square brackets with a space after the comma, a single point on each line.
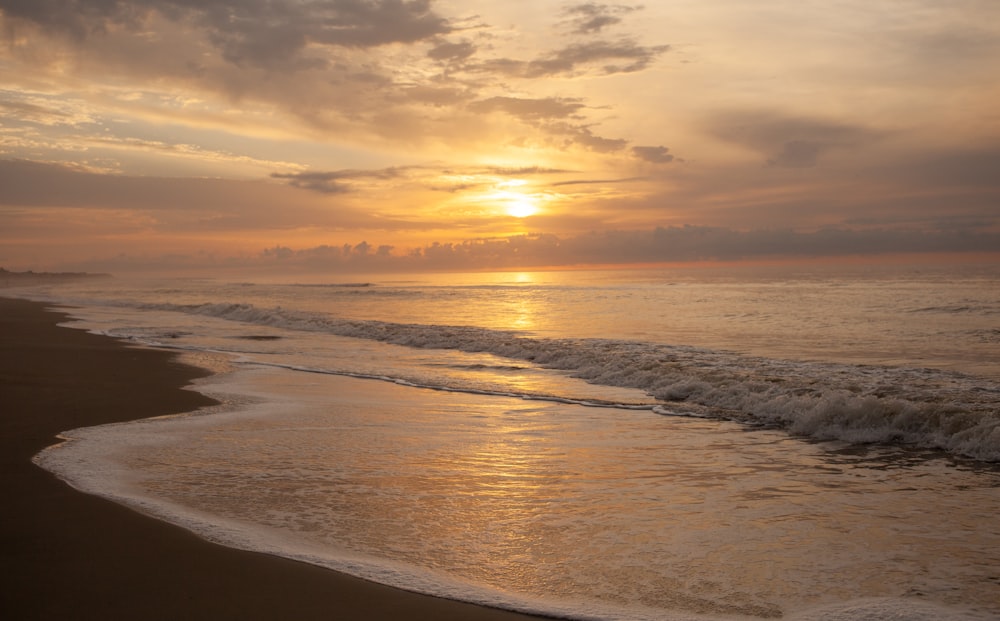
[986, 336]
[951, 309]
[593, 403]
[858, 404]
[343, 285]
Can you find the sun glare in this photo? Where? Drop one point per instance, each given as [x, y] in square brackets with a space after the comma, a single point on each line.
[521, 208]
[509, 197]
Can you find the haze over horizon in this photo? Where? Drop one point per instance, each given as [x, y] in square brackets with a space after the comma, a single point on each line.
[421, 134]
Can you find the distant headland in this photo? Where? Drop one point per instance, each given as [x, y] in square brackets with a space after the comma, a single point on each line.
[20, 279]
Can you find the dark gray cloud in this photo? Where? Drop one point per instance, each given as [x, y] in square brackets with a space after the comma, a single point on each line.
[170, 203]
[662, 244]
[622, 56]
[531, 109]
[604, 57]
[787, 141]
[333, 182]
[701, 243]
[37, 184]
[582, 135]
[263, 33]
[968, 168]
[891, 183]
[452, 52]
[655, 155]
[549, 115]
[591, 17]
[257, 32]
[76, 18]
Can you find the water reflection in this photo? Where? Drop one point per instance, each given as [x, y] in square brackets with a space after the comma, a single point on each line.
[881, 457]
[621, 509]
[516, 309]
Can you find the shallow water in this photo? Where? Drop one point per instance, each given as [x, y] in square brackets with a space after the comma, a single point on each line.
[466, 439]
[556, 507]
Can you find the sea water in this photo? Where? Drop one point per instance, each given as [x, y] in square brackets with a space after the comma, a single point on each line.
[650, 444]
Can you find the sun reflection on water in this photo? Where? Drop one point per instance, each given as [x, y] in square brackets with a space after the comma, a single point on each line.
[615, 508]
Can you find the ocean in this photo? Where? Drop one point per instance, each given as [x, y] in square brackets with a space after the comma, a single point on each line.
[810, 442]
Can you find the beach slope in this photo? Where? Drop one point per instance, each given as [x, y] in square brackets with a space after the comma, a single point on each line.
[68, 555]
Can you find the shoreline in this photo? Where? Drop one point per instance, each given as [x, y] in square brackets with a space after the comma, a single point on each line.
[66, 554]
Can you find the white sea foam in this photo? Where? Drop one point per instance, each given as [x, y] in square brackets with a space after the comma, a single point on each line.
[885, 609]
[854, 403]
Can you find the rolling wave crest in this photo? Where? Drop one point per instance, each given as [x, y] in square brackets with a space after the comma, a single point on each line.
[857, 404]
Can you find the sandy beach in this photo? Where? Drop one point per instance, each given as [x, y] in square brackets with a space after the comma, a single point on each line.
[70, 555]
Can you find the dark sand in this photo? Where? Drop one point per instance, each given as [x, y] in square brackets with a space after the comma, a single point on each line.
[68, 555]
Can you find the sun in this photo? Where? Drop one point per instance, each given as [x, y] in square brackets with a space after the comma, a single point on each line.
[509, 197]
[521, 208]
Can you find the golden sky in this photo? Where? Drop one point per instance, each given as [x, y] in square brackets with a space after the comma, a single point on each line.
[420, 134]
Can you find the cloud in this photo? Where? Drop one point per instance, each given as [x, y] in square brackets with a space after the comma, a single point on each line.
[167, 204]
[546, 115]
[324, 62]
[332, 182]
[596, 181]
[677, 244]
[262, 32]
[320, 70]
[699, 243]
[581, 135]
[427, 176]
[272, 34]
[46, 205]
[654, 155]
[894, 181]
[790, 141]
[601, 56]
[967, 168]
[530, 109]
[591, 17]
[623, 56]
[522, 171]
[452, 52]
[76, 18]
[39, 109]
[949, 52]
[604, 57]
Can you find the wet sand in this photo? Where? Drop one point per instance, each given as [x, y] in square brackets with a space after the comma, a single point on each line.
[64, 554]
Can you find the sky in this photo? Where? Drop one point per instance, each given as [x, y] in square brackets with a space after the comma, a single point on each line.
[445, 134]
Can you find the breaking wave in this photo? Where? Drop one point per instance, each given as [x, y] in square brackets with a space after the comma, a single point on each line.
[858, 404]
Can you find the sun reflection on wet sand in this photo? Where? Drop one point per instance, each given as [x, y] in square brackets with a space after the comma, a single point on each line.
[623, 508]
